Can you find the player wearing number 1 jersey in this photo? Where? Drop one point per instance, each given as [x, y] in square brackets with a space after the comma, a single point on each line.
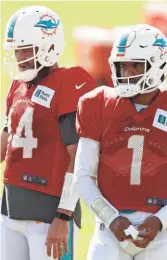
[39, 141]
[122, 152]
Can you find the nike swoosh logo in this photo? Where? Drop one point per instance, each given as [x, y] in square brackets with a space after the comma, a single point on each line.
[80, 86]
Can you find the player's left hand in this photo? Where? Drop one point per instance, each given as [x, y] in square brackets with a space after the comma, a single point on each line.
[148, 231]
[57, 239]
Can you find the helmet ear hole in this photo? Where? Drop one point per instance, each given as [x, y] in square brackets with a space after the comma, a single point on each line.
[47, 55]
[163, 65]
[148, 66]
[52, 47]
[163, 76]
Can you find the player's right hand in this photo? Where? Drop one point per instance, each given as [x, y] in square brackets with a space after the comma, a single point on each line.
[118, 226]
[57, 238]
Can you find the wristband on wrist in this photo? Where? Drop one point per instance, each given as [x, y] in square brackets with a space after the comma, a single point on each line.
[63, 216]
[104, 210]
[69, 196]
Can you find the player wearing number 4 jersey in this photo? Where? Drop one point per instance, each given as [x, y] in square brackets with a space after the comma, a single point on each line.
[122, 152]
[39, 141]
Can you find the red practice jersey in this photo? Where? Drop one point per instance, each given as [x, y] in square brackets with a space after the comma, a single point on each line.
[132, 170]
[36, 157]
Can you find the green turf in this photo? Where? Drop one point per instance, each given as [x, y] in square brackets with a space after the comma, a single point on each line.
[103, 14]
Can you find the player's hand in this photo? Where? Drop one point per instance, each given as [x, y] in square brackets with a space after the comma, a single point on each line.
[57, 239]
[148, 231]
[118, 226]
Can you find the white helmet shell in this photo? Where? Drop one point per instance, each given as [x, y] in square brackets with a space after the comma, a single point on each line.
[141, 43]
[35, 26]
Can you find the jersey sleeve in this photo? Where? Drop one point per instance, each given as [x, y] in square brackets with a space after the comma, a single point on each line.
[89, 115]
[76, 83]
[68, 129]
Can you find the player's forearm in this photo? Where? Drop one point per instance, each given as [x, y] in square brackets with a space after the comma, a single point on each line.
[85, 173]
[86, 166]
[4, 142]
[69, 196]
[71, 149]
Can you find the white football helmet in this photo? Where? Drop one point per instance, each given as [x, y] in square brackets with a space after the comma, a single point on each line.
[40, 28]
[141, 43]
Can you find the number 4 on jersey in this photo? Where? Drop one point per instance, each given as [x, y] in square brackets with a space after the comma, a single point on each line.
[28, 143]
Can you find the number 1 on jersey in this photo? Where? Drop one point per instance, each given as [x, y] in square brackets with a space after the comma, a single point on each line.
[136, 142]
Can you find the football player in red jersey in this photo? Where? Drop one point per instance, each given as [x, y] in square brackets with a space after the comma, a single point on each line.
[122, 152]
[39, 140]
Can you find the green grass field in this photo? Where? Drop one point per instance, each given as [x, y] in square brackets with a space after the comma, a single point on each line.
[102, 14]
